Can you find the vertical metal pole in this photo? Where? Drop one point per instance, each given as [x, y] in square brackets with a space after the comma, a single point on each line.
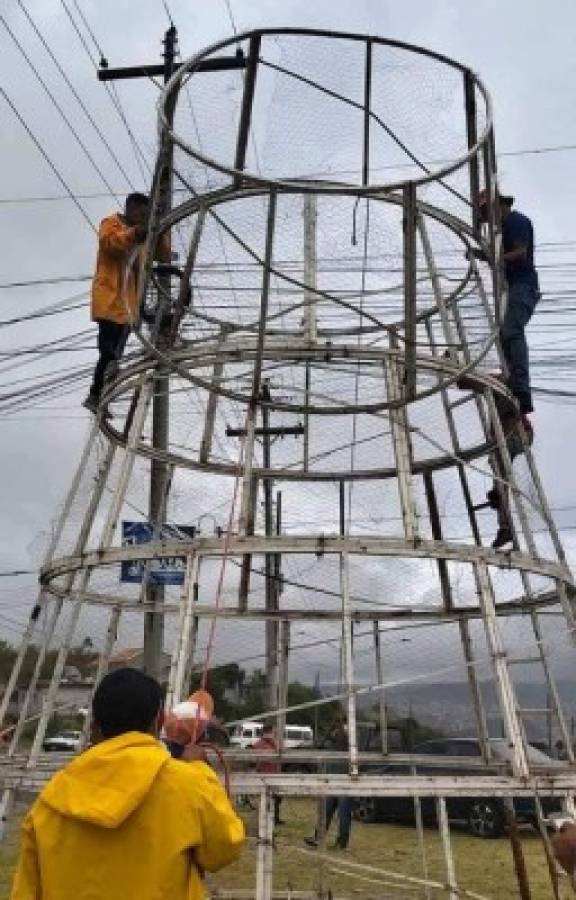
[473, 681]
[436, 525]
[444, 829]
[310, 304]
[159, 477]
[421, 840]
[247, 482]
[400, 430]
[517, 853]
[367, 102]
[247, 103]
[554, 696]
[410, 288]
[264, 856]
[382, 710]
[348, 661]
[181, 646]
[271, 593]
[208, 433]
[463, 623]
[512, 723]
[284, 654]
[247, 525]
[447, 327]
[472, 138]
[494, 226]
[310, 267]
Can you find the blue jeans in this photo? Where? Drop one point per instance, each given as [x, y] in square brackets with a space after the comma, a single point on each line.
[522, 299]
[344, 807]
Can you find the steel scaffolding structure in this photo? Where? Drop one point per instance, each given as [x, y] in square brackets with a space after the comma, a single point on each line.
[312, 339]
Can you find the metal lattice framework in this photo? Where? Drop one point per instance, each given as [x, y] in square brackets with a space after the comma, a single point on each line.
[309, 343]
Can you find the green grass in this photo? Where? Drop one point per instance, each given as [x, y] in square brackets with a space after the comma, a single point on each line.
[484, 866]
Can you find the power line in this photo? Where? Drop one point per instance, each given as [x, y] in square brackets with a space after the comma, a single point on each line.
[55, 279]
[110, 90]
[39, 146]
[57, 106]
[76, 95]
[231, 16]
[167, 11]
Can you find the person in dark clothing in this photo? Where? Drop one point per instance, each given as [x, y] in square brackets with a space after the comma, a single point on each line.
[271, 766]
[523, 294]
[336, 739]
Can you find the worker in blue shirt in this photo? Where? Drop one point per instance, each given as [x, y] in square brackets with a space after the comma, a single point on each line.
[523, 295]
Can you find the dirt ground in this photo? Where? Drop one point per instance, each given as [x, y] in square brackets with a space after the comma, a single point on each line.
[482, 866]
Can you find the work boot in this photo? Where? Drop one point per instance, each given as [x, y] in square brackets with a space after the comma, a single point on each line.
[493, 498]
[92, 404]
[311, 842]
[503, 537]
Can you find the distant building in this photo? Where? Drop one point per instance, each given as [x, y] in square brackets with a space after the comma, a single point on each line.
[133, 658]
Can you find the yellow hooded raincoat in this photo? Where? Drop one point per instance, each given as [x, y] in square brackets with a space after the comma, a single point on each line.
[114, 293]
[114, 286]
[124, 820]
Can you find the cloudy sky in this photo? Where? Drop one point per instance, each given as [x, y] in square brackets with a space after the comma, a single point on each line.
[525, 57]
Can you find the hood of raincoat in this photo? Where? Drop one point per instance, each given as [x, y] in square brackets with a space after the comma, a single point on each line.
[109, 781]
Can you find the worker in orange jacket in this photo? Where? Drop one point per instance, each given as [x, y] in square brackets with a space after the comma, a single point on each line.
[114, 286]
[124, 820]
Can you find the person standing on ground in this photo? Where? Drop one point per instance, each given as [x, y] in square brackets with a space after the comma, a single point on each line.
[269, 742]
[114, 286]
[336, 739]
[124, 819]
[523, 294]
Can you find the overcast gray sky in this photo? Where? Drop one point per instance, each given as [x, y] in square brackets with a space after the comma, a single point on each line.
[525, 55]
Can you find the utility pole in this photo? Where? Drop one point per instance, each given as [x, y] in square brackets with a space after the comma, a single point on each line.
[272, 562]
[159, 473]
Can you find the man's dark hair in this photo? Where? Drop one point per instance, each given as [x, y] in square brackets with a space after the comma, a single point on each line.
[267, 728]
[126, 700]
[137, 200]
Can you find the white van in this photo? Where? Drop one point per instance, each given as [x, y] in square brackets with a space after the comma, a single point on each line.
[246, 734]
[296, 736]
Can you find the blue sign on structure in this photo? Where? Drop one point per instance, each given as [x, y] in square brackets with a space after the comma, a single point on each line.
[169, 570]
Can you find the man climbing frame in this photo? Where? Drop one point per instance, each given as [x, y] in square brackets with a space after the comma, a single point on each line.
[124, 819]
[115, 288]
[523, 294]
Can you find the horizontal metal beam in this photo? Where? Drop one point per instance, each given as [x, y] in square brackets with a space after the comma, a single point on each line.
[286, 431]
[434, 613]
[218, 64]
[302, 785]
[319, 545]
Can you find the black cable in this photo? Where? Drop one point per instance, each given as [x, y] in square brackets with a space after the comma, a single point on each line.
[77, 96]
[57, 106]
[167, 11]
[231, 17]
[47, 158]
[110, 89]
[41, 315]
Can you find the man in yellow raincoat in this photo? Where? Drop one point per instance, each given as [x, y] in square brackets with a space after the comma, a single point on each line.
[114, 286]
[124, 820]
